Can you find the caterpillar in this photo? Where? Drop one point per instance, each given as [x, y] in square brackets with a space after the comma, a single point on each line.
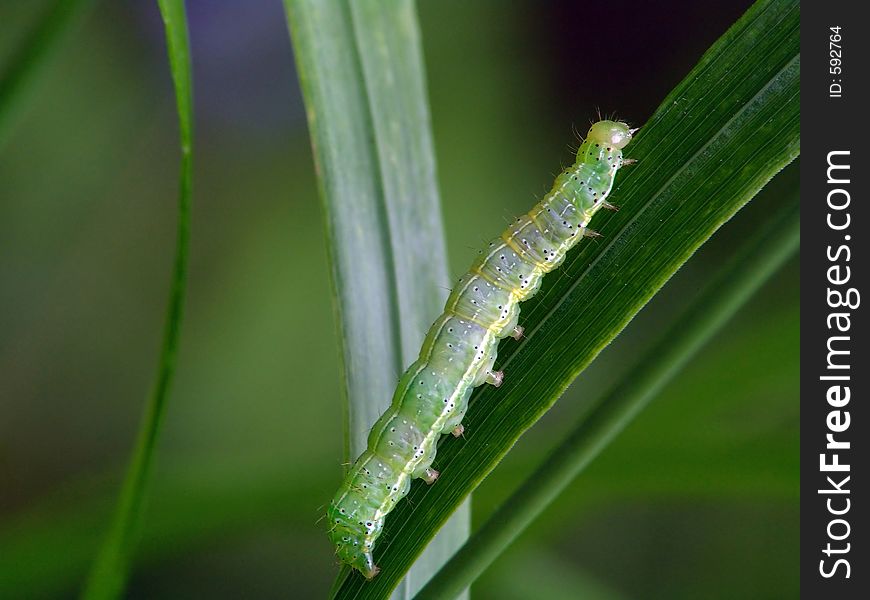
[459, 350]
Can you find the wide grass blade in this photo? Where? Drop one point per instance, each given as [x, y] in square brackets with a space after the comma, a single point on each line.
[720, 135]
[33, 53]
[109, 574]
[362, 77]
[754, 263]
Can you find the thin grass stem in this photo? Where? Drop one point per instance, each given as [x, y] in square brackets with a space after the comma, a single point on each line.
[109, 574]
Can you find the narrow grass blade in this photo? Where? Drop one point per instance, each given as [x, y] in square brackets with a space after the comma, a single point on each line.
[753, 264]
[109, 574]
[362, 77]
[33, 53]
[720, 135]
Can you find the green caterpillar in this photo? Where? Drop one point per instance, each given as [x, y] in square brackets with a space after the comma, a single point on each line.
[459, 351]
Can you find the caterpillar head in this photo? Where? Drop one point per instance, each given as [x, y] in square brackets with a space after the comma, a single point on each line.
[611, 133]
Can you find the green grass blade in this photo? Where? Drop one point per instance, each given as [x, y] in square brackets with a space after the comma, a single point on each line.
[754, 263]
[33, 53]
[362, 77]
[720, 135]
[109, 574]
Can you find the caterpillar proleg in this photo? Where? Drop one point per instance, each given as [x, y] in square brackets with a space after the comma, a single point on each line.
[460, 348]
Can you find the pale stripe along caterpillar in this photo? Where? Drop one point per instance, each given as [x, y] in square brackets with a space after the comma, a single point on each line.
[459, 351]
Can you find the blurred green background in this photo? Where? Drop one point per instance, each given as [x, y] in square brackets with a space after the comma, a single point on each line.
[697, 499]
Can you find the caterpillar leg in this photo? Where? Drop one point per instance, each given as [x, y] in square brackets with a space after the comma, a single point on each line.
[363, 562]
[628, 161]
[458, 431]
[430, 475]
[591, 233]
[495, 378]
[517, 333]
[609, 206]
[373, 569]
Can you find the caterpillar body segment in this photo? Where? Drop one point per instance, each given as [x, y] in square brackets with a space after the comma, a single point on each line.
[459, 350]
